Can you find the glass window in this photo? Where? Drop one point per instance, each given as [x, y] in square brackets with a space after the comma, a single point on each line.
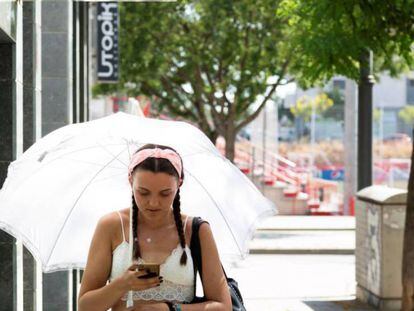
[410, 91]
[339, 84]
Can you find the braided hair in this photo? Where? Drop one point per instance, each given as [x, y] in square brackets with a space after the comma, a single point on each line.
[159, 165]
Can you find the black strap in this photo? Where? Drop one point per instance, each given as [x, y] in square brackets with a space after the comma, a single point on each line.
[195, 245]
[170, 306]
[195, 248]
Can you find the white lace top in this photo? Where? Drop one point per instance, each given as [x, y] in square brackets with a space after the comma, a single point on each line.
[178, 284]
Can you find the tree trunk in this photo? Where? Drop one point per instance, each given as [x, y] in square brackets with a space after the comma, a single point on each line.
[230, 147]
[408, 250]
[212, 135]
[230, 138]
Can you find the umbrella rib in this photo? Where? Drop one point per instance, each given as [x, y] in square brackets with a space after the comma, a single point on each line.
[55, 159]
[219, 209]
[76, 202]
[103, 147]
[112, 176]
[95, 164]
[77, 150]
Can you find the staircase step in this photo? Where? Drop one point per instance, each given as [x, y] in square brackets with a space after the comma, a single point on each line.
[303, 242]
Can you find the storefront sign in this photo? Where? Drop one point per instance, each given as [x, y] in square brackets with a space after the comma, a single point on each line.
[107, 48]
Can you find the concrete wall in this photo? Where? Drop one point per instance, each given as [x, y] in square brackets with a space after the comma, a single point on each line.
[11, 130]
[41, 71]
[390, 92]
[56, 65]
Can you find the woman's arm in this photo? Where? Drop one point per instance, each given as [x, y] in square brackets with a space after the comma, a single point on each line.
[214, 282]
[94, 294]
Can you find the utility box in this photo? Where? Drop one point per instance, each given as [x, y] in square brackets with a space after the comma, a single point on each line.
[380, 222]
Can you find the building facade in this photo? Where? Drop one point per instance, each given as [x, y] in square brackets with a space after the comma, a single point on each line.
[390, 95]
[44, 85]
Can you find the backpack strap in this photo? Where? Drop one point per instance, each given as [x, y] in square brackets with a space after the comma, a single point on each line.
[195, 245]
[195, 248]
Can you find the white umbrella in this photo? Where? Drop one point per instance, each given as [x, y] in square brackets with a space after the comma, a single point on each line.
[57, 190]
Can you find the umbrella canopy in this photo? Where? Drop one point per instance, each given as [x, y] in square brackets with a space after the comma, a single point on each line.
[57, 190]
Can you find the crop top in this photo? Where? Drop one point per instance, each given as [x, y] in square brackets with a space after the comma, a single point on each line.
[178, 284]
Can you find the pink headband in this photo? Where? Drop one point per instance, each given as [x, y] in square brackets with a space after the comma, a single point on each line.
[168, 154]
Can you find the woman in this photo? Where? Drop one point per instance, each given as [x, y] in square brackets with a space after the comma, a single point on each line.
[161, 235]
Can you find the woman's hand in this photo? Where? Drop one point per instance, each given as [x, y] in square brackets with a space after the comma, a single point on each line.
[135, 280]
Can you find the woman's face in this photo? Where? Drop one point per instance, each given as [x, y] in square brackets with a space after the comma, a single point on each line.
[154, 192]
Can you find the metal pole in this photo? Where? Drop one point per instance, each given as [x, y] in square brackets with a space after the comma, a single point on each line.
[18, 275]
[276, 167]
[313, 138]
[38, 286]
[264, 146]
[350, 140]
[364, 152]
[253, 162]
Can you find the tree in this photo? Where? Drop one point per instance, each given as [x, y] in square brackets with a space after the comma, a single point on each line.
[339, 37]
[407, 115]
[408, 247]
[329, 37]
[305, 106]
[215, 63]
[377, 115]
[337, 110]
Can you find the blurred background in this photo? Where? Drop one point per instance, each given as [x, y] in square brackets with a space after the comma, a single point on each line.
[312, 100]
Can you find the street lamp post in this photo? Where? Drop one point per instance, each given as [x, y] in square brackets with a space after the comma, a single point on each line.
[365, 85]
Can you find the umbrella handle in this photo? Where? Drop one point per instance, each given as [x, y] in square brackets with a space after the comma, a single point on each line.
[130, 301]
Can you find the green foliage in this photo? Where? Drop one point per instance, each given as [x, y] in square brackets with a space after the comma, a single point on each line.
[329, 37]
[376, 114]
[285, 113]
[407, 115]
[208, 61]
[305, 106]
[336, 112]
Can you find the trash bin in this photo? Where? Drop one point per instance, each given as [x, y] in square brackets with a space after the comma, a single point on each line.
[380, 221]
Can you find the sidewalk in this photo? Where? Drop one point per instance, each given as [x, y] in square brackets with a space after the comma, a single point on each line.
[311, 305]
[308, 223]
[300, 263]
[297, 282]
[305, 235]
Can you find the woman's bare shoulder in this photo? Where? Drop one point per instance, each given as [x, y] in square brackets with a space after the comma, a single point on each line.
[110, 221]
[187, 219]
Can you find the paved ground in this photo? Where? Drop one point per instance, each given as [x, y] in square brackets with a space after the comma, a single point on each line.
[296, 282]
[303, 242]
[294, 268]
[308, 223]
[305, 235]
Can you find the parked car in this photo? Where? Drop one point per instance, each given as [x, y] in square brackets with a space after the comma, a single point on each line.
[287, 134]
[397, 137]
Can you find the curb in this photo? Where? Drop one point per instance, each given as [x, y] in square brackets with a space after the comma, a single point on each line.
[304, 229]
[263, 251]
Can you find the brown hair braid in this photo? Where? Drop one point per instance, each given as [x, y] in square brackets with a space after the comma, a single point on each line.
[179, 225]
[136, 248]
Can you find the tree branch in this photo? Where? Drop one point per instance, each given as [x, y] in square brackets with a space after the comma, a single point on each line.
[172, 90]
[187, 112]
[267, 97]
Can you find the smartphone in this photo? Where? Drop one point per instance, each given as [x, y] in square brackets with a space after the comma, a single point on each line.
[153, 268]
